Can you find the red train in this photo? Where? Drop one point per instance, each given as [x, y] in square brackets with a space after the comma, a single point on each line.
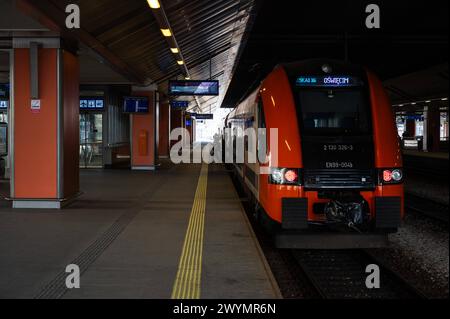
[338, 182]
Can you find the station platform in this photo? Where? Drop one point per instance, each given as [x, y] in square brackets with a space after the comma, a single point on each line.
[435, 155]
[179, 232]
[427, 175]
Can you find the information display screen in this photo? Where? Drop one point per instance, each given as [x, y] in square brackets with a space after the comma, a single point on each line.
[92, 104]
[328, 81]
[194, 88]
[179, 104]
[4, 104]
[136, 105]
[204, 116]
[4, 91]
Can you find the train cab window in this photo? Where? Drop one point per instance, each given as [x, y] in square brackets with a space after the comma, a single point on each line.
[335, 111]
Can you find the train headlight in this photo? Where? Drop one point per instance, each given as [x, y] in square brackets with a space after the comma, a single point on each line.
[392, 176]
[285, 176]
[397, 175]
[277, 176]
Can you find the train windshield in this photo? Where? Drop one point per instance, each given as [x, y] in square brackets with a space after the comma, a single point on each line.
[334, 111]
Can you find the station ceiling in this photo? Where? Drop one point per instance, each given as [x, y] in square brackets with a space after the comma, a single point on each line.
[127, 36]
[413, 37]
[238, 42]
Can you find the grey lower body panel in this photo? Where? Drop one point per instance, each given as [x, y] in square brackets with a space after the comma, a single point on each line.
[293, 240]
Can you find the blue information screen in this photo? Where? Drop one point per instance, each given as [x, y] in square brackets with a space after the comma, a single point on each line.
[194, 88]
[4, 91]
[328, 81]
[204, 116]
[136, 105]
[92, 104]
[4, 104]
[179, 104]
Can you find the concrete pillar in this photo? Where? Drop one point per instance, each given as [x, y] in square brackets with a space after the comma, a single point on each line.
[410, 128]
[144, 132]
[432, 129]
[164, 130]
[44, 124]
[176, 121]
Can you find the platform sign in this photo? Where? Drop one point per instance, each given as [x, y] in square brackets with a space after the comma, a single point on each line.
[204, 117]
[179, 104]
[92, 104]
[35, 106]
[4, 105]
[194, 88]
[328, 81]
[136, 105]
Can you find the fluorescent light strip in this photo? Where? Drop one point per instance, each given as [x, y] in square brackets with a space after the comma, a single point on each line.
[166, 32]
[154, 4]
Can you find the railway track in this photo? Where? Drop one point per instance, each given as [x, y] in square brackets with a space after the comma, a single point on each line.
[427, 207]
[341, 274]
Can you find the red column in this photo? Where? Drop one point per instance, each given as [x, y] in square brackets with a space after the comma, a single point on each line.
[45, 152]
[143, 133]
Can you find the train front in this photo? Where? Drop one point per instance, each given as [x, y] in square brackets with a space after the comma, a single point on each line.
[344, 186]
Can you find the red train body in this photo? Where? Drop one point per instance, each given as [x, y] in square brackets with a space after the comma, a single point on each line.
[338, 182]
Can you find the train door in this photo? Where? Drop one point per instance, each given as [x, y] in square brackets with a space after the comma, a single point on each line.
[91, 140]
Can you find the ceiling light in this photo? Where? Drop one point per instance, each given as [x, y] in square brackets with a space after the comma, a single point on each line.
[187, 78]
[166, 32]
[428, 101]
[181, 62]
[444, 99]
[154, 4]
[175, 50]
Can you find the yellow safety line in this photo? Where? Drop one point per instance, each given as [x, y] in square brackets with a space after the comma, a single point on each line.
[188, 281]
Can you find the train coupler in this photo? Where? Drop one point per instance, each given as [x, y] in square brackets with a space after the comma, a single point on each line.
[351, 214]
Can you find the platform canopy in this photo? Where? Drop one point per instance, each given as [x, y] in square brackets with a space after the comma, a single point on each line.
[126, 36]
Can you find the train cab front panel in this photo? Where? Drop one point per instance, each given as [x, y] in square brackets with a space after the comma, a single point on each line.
[339, 163]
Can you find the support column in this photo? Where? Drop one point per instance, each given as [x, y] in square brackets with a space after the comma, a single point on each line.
[144, 132]
[164, 129]
[176, 121]
[432, 129]
[410, 128]
[44, 124]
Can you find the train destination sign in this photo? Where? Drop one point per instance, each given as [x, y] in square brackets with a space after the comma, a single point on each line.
[328, 81]
[194, 88]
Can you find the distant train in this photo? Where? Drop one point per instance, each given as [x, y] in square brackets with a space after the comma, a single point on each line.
[339, 179]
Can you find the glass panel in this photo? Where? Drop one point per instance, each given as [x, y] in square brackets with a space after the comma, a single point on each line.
[3, 140]
[91, 140]
[82, 141]
[334, 111]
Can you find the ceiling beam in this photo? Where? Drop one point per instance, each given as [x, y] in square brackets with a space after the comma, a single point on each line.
[54, 18]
